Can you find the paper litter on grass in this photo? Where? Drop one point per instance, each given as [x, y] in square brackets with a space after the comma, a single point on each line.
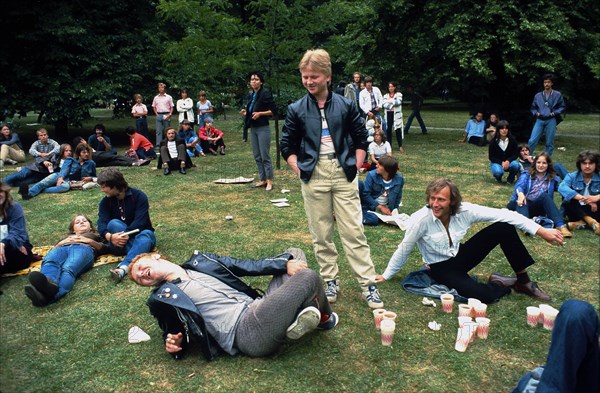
[237, 180]
[281, 204]
[137, 335]
[279, 200]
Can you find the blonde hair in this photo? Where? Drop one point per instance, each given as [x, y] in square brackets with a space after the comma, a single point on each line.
[317, 60]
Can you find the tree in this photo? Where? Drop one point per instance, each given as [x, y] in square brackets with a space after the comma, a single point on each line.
[65, 57]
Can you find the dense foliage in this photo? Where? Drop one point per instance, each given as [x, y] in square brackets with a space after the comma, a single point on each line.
[61, 58]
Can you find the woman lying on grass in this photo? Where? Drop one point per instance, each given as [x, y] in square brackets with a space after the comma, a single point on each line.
[69, 258]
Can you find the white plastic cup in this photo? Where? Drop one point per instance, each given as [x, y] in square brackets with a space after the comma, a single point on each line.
[388, 327]
[464, 310]
[533, 316]
[549, 317]
[378, 317]
[483, 327]
[480, 310]
[447, 302]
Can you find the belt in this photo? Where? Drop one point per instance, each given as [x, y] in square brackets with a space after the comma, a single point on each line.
[141, 117]
[330, 156]
[163, 113]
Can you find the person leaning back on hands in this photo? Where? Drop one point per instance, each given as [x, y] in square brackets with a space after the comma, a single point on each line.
[438, 229]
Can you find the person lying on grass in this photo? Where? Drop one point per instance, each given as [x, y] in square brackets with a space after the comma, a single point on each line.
[70, 257]
[204, 301]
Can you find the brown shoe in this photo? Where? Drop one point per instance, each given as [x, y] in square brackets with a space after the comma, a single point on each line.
[532, 289]
[503, 281]
[576, 225]
[565, 232]
[596, 228]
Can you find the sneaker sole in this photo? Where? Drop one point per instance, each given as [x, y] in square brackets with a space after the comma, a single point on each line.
[307, 321]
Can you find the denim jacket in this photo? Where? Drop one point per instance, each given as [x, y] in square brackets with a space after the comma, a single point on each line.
[525, 182]
[374, 187]
[176, 312]
[573, 184]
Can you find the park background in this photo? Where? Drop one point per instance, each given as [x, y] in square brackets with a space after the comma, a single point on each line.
[65, 59]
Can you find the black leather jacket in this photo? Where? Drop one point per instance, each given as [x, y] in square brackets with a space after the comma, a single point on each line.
[301, 134]
[176, 312]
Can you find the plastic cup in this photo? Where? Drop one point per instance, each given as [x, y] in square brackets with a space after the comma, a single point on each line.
[462, 340]
[378, 317]
[473, 302]
[549, 317]
[447, 302]
[464, 310]
[480, 310]
[483, 327]
[471, 327]
[390, 315]
[462, 320]
[533, 316]
[543, 308]
[387, 331]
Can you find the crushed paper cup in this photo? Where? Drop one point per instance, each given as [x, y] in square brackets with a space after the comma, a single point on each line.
[428, 302]
[284, 191]
[137, 335]
[433, 325]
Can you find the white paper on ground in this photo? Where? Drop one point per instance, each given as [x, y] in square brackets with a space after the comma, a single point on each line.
[281, 204]
[137, 335]
[396, 218]
[279, 200]
[433, 325]
[236, 180]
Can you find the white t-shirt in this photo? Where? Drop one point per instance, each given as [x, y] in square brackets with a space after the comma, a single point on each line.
[380, 150]
[172, 146]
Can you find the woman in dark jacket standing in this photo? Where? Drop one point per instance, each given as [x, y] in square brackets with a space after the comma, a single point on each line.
[257, 113]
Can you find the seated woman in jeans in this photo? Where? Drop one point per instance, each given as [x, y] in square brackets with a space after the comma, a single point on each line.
[381, 191]
[62, 265]
[534, 191]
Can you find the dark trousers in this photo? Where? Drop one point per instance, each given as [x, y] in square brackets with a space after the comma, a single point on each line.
[454, 272]
[575, 211]
[15, 259]
[206, 145]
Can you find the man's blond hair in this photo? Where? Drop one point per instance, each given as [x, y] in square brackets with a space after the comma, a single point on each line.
[317, 60]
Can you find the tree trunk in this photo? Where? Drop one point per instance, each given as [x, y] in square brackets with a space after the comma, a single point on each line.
[61, 129]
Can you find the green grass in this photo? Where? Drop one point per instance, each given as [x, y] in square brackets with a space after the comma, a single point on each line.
[80, 343]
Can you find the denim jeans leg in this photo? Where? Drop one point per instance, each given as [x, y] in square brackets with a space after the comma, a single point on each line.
[497, 171]
[116, 226]
[550, 133]
[536, 134]
[58, 189]
[24, 176]
[46, 182]
[513, 170]
[573, 360]
[80, 258]
[409, 122]
[523, 210]
[547, 204]
[560, 170]
[143, 242]
[51, 265]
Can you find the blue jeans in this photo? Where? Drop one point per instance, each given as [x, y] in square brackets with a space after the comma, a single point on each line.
[161, 126]
[143, 154]
[573, 362]
[549, 126]
[369, 218]
[141, 125]
[48, 185]
[543, 206]
[143, 242]
[198, 148]
[560, 170]
[24, 176]
[513, 170]
[62, 265]
[417, 115]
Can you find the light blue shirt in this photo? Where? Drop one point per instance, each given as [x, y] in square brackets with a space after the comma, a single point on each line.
[428, 233]
[475, 129]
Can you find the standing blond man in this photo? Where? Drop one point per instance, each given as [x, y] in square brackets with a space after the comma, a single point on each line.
[324, 141]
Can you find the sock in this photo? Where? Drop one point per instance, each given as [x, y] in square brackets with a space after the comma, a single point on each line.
[523, 278]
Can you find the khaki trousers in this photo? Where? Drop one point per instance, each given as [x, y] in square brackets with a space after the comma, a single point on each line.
[12, 152]
[328, 192]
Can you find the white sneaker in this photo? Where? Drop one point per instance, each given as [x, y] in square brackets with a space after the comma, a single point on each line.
[371, 295]
[331, 291]
[305, 322]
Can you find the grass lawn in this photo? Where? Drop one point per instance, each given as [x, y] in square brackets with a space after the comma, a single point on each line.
[80, 343]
